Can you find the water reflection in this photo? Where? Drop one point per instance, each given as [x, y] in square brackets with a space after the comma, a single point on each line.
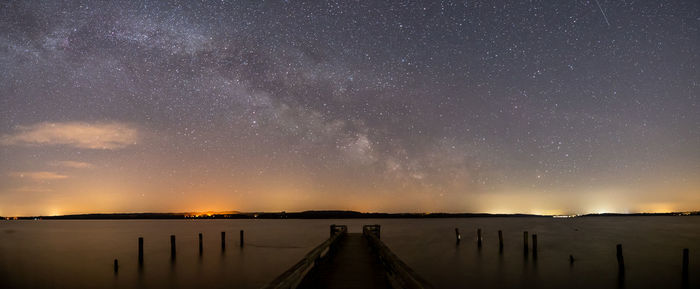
[621, 279]
[500, 264]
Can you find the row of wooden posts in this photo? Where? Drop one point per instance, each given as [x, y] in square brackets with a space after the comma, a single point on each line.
[620, 257]
[173, 250]
[500, 240]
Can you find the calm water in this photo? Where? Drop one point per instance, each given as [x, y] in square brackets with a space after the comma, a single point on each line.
[80, 254]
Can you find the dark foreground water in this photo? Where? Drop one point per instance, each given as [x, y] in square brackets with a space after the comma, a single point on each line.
[80, 254]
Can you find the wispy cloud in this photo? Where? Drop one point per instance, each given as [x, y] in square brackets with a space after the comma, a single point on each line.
[72, 164]
[33, 189]
[106, 136]
[39, 176]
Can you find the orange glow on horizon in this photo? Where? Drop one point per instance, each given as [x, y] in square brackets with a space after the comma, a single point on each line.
[109, 195]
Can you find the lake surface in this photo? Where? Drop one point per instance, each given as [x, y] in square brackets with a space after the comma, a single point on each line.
[80, 254]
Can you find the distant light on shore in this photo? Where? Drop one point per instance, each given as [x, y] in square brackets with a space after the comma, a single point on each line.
[565, 216]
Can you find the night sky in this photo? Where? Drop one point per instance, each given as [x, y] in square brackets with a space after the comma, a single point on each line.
[548, 107]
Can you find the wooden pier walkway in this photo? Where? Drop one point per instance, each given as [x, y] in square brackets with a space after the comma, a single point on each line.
[347, 261]
[353, 266]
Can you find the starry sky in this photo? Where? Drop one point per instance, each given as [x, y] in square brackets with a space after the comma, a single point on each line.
[545, 107]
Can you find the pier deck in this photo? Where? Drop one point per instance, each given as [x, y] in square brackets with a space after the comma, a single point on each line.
[354, 265]
[350, 261]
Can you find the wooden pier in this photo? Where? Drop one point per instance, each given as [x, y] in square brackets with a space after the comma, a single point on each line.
[350, 260]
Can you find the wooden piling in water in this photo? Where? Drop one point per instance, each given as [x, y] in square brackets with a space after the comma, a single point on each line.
[534, 245]
[571, 259]
[201, 248]
[140, 250]
[685, 264]
[478, 238]
[172, 246]
[620, 260]
[457, 235]
[116, 265]
[241, 238]
[525, 246]
[223, 241]
[500, 241]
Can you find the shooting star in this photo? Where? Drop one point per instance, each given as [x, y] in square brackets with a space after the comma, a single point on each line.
[601, 11]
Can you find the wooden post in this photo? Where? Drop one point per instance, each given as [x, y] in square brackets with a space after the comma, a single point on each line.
[478, 237]
[332, 230]
[685, 264]
[201, 248]
[172, 246]
[241, 238]
[223, 241]
[525, 247]
[140, 250]
[457, 235]
[534, 245]
[116, 265]
[500, 241]
[620, 260]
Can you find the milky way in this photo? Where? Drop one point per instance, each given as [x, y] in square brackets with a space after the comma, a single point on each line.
[476, 106]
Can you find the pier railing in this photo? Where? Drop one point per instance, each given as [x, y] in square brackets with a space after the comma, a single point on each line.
[291, 278]
[398, 273]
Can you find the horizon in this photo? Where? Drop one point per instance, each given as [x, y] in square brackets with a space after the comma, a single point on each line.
[235, 212]
[538, 108]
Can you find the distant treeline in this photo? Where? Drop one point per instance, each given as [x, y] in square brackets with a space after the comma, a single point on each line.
[312, 215]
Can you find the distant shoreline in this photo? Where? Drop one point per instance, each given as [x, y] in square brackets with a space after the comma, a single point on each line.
[319, 215]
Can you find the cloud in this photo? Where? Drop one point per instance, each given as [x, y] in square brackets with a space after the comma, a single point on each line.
[107, 136]
[72, 164]
[33, 189]
[39, 176]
